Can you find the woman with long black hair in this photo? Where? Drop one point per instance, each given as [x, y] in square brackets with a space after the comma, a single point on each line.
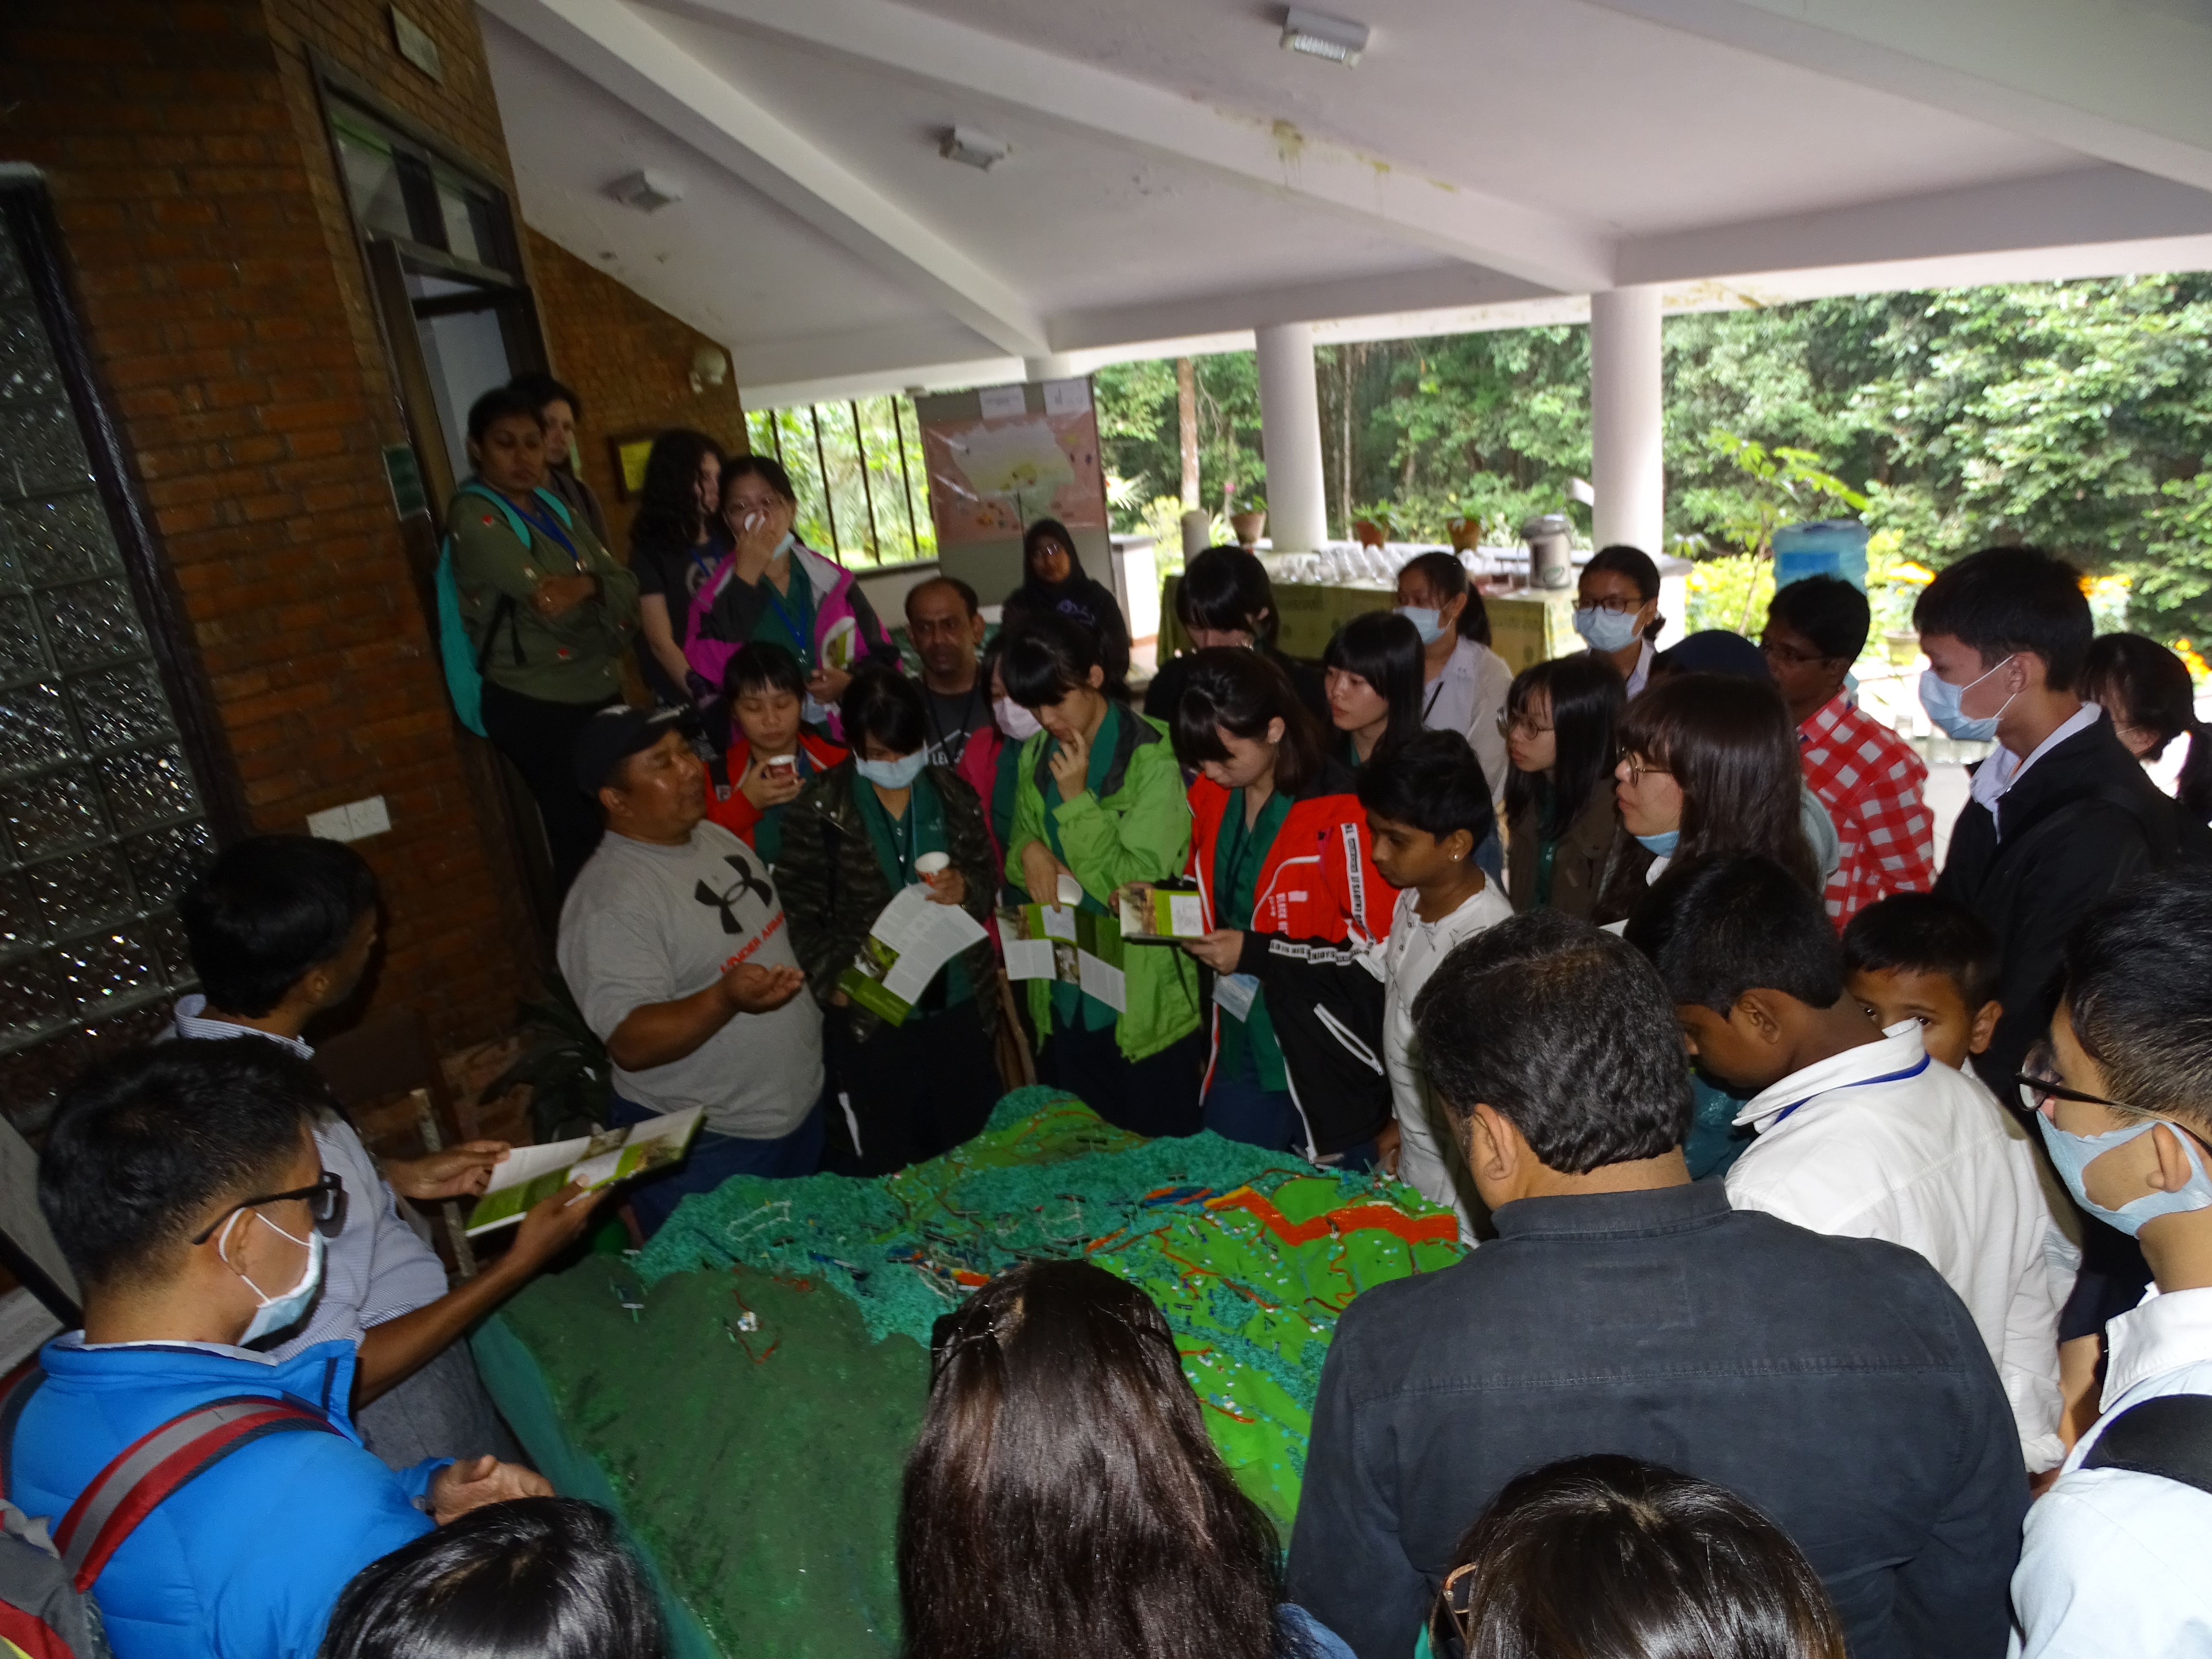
[672, 554]
[1064, 1497]
[1224, 597]
[1372, 670]
[2147, 692]
[1561, 721]
[1055, 584]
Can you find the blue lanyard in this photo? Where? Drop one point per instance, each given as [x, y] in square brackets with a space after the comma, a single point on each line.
[1863, 1083]
[706, 570]
[553, 531]
[803, 645]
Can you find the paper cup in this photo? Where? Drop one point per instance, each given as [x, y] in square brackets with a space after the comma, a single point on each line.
[930, 863]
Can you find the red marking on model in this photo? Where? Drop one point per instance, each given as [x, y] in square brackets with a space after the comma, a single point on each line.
[1413, 1229]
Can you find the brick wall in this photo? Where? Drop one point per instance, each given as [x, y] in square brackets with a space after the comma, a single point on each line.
[229, 313]
[630, 362]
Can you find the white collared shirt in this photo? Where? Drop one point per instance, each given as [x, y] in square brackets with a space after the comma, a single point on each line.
[1414, 949]
[2114, 1561]
[1881, 1141]
[1995, 777]
[1466, 696]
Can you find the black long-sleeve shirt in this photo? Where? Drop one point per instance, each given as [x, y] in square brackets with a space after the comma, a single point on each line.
[1837, 1383]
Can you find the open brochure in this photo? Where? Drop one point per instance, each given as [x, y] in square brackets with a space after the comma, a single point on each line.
[533, 1173]
[1057, 941]
[906, 948]
[1161, 911]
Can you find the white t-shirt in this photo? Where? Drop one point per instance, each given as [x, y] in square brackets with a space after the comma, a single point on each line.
[654, 924]
[1883, 1141]
[1414, 949]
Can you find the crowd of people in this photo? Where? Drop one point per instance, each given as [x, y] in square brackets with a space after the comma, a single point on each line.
[1870, 1326]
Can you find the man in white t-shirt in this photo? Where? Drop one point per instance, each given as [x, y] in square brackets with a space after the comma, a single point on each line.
[672, 940]
[1860, 1133]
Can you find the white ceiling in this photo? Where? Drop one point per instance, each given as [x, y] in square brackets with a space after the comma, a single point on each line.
[1176, 180]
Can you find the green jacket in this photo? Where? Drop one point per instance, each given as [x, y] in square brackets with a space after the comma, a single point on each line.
[574, 658]
[833, 889]
[1137, 829]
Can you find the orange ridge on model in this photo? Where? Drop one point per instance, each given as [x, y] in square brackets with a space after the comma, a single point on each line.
[1413, 1229]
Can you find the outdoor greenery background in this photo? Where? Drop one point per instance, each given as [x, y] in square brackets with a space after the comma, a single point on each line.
[2075, 417]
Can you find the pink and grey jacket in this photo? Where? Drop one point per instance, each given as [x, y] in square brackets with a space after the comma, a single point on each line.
[725, 612]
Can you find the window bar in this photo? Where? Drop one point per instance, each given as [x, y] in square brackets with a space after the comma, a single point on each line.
[906, 481]
[867, 494]
[775, 436]
[829, 501]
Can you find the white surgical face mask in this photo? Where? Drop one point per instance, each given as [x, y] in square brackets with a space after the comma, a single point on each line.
[1606, 630]
[1427, 620]
[277, 1313]
[1941, 700]
[1016, 721]
[898, 774]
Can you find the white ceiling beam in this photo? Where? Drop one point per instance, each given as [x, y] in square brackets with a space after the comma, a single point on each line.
[2041, 218]
[1544, 249]
[2122, 82]
[619, 47]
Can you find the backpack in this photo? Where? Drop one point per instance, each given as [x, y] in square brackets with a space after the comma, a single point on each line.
[2170, 1437]
[46, 1609]
[465, 663]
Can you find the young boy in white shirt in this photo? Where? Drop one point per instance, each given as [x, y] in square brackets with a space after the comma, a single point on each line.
[1428, 809]
[1860, 1133]
[1929, 959]
[2113, 1561]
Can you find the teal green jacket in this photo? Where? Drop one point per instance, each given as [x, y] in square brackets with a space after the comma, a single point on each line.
[1136, 828]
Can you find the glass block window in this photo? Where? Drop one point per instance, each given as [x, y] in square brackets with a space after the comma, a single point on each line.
[101, 818]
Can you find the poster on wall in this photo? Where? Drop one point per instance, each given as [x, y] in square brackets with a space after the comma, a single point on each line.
[1013, 455]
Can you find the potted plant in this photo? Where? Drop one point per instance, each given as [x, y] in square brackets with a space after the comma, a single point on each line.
[1466, 521]
[1371, 526]
[1248, 519]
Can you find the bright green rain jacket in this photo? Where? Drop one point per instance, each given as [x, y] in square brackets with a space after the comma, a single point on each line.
[1133, 826]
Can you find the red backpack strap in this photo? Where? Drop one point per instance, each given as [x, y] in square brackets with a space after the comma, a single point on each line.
[145, 1473]
[12, 1403]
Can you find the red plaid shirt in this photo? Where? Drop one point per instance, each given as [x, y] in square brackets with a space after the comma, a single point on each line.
[1870, 781]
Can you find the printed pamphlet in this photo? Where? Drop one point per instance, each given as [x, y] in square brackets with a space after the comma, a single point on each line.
[533, 1173]
[1161, 911]
[1057, 941]
[906, 948]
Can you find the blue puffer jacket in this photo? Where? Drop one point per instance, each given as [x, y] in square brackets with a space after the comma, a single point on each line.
[246, 1561]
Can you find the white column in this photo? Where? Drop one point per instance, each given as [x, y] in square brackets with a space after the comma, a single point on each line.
[1290, 433]
[1059, 366]
[1627, 468]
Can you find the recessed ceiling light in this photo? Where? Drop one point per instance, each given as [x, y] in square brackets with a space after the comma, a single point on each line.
[977, 150]
[1317, 34]
[648, 192]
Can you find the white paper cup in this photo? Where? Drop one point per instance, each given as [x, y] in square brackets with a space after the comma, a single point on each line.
[930, 863]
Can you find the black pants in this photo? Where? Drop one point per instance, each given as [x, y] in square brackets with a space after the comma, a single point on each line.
[909, 1093]
[1155, 1095]
[539, 737]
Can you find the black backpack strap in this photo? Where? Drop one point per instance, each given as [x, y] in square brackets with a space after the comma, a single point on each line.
[11, 1412]
[502, 616]
[2170, 1437]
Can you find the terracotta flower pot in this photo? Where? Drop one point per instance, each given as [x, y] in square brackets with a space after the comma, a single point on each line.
[1369, 533]
[1466, 534]
[1248, 527]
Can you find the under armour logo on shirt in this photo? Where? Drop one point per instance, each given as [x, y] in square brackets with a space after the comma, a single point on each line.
[725, 902]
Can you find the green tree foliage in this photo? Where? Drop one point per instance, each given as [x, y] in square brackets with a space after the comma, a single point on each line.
[1139, 436]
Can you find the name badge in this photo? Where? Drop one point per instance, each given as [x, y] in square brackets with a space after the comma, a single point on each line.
[1237, 993]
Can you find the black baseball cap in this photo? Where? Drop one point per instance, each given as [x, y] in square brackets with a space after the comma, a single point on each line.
[612, 736]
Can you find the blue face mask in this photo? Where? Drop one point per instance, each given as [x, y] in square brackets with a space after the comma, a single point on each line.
[1942, 701]
[1428, 622]
[898, 774]
[2073, 1154]
[1606, 630]
[1661, 846]
[278, 1313]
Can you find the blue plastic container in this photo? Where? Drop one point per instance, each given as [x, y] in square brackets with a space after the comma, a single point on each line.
[1827, 547]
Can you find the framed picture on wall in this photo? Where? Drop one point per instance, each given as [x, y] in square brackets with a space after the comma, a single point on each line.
[630, 452]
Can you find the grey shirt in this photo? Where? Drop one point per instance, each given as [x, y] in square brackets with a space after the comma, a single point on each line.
[654, 924]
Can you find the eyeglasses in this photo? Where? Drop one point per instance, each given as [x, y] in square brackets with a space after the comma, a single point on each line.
[326, 1207]
[1639, 769]
[1458, 1598]
[1619, 607]
[1520, 726]
[2039, 1083]
[1785, 654]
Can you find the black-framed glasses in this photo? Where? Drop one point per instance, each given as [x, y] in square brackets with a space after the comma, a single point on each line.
[1523, 724]
[2039, 1083]
[1785, 654]
[1619, 607]
[326, 1207]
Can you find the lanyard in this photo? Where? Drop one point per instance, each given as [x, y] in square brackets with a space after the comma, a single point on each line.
[801, 642]
[1429, 707]
[1863, 1083]
[552, 530]
[942, 739]
[706, 570]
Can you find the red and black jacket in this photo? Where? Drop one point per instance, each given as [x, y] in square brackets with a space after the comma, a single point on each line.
[727, 804]
[1320, 914]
